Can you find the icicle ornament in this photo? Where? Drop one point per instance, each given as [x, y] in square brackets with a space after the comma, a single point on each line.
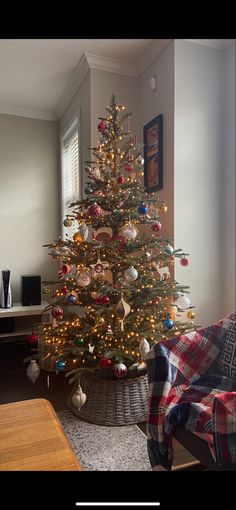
[122, 310]
[79, 397]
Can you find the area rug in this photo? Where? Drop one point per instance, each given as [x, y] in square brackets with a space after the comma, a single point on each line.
[101, 448]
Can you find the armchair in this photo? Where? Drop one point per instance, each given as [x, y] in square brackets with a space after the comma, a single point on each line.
[192, 387]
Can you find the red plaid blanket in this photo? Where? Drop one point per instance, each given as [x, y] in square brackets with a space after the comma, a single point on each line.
[187, 388]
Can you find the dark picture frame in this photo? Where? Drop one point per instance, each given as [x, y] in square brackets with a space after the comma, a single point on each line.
[153, 154]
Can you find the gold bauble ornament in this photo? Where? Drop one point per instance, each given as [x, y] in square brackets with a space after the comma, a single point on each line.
[78, 237]
[190, 314]
[163, 208]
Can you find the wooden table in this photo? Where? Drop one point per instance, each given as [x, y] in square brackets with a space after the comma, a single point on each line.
[32, 438]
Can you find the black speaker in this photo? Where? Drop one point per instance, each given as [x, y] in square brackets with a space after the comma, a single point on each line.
[31, 289]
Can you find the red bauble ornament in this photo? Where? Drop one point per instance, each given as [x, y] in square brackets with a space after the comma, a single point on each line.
[128, 168]
[105, 362]
[95, 210]
[120, 179]
[104, 237]
[121, 244]
[105, 300]
[57, 312]
[102, 300]
[64, 289]
[156, 226]
[184, 261]
[119, 370]
[65, 269]
[33, 338]
[102, 127]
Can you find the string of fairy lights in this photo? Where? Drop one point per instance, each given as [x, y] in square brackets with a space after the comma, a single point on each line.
[122, 278]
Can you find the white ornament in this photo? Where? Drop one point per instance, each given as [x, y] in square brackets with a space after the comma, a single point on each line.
[131, 274]
[109, 330]
[130, 232]
[91, 348]
[79, 397]
[161, 270]
[183, 302]
[144, 348]
[119, 370]
[83, 280]
[140, 160]
[94, 172]
[33, 371]
[84, 231]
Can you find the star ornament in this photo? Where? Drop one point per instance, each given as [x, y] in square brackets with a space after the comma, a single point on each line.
[98, 268]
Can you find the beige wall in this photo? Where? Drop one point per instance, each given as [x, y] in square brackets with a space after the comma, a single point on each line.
[151, 104]
[228, 184]
[103, 86]
[198, 200]
[29, 200]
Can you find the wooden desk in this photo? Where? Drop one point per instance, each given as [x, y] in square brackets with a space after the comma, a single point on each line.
[32, 438]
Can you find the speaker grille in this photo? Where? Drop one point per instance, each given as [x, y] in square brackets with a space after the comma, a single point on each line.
[31, 290]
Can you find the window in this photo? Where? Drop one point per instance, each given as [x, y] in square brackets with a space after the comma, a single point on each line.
[70, 173]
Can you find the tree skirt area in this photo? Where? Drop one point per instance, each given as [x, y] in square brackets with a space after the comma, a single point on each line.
[102, 448]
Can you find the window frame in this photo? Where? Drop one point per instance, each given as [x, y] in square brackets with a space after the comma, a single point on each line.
[72, 126]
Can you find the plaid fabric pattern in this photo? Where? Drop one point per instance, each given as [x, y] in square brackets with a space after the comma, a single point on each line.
[186, 387]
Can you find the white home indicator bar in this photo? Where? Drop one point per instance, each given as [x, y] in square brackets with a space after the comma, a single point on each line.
[118, 504]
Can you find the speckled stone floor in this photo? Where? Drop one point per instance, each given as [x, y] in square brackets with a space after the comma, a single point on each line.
[101, 448]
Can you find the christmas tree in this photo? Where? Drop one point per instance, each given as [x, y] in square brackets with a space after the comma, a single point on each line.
[115, 296]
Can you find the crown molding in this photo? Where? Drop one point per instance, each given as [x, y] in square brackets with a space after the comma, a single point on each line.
[153, 51]
[218, 44]
[74, 84]
[90, 61]
[111, 65]
[25, 112]
[87, 62]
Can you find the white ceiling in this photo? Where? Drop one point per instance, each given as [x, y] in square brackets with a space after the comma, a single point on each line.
[36, 73]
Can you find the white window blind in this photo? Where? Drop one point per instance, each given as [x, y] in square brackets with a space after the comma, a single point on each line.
[70, 174]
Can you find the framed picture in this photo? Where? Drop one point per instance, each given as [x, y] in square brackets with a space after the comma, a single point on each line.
[153, 154]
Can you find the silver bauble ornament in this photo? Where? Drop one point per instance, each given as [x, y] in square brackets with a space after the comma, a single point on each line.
[83, 280]
[131, 274]
[144, 348]
[67, 222]
[130, 232]
[183, 302]
[79, 397]
[169, 250]
[140, 160]
[84, 231]
[33, 371]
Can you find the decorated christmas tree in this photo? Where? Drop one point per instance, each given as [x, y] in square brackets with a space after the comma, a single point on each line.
[115, 295]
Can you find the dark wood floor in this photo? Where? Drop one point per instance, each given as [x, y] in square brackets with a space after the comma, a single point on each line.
[15, 385]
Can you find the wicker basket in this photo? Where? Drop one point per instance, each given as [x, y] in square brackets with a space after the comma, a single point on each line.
[112, 402]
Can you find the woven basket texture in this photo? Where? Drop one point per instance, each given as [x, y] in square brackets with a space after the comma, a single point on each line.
[112, 402]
